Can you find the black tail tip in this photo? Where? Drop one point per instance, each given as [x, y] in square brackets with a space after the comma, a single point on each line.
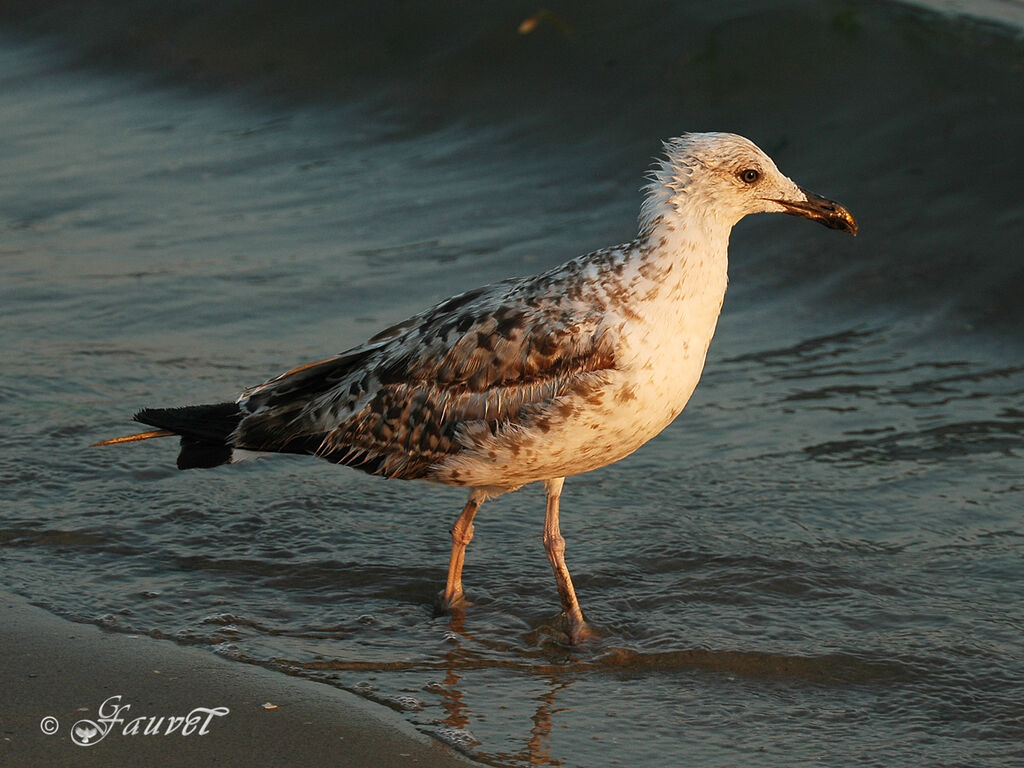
[197, 455]
[205, 431]
[207, 423]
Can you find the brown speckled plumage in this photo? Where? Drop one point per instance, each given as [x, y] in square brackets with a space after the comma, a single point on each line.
[481, 362]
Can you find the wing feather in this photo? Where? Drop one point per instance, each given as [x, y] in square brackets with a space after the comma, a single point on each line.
[485, 360]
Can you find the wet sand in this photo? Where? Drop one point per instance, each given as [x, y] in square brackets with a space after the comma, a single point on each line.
[52, 667]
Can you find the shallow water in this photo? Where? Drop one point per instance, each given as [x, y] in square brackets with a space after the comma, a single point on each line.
[819, 562]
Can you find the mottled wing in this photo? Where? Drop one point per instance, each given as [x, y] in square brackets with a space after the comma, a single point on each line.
[480, 362]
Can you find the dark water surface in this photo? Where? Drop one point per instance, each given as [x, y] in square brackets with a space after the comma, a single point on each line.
[820, 562]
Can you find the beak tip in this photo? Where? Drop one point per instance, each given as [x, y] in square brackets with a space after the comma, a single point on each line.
[827, 212]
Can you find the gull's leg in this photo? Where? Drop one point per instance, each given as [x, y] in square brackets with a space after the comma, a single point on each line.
[554, 544]
[462, 534]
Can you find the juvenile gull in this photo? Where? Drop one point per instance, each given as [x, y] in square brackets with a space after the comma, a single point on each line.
[530, 379]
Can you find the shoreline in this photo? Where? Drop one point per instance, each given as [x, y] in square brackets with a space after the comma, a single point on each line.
[55, 668]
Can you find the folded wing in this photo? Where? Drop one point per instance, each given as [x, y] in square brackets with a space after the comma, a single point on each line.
[481, 362]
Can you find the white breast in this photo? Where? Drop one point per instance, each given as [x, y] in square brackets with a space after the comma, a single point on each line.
[663, 317]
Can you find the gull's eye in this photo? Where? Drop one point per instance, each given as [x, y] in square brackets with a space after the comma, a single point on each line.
[750, 175]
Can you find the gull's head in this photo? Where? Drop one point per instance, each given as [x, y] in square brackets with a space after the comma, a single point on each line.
[719, 178]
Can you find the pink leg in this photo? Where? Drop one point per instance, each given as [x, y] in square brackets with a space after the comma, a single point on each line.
[462, 534]
[554, 544]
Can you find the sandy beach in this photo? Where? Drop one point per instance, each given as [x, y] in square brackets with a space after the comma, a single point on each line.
[52, 668]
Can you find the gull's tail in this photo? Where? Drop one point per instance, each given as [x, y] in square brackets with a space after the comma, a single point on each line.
[205, 431]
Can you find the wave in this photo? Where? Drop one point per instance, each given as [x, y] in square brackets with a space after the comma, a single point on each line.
[910, 118]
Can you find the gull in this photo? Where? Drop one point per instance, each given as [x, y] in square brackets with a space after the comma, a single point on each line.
[531, 379]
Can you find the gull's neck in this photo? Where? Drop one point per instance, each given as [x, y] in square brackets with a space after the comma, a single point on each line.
[679, 228]
[674, 273]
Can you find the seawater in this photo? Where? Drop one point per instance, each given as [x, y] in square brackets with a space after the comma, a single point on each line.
[819, 562]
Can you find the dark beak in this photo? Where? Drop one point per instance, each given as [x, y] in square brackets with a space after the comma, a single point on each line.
[820, 209]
